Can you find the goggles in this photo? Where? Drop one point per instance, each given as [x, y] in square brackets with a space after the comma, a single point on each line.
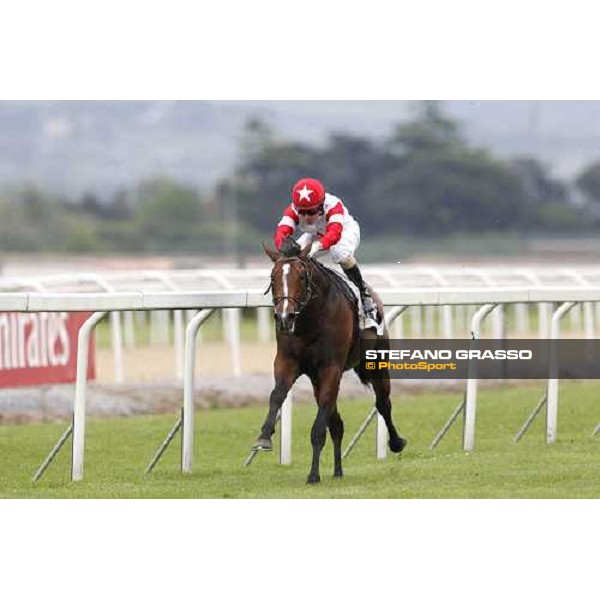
[310, 211]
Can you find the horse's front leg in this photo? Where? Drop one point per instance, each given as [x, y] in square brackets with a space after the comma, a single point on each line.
[327, 392]
[286, 372]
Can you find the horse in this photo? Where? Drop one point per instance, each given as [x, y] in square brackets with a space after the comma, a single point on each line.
[318, 335]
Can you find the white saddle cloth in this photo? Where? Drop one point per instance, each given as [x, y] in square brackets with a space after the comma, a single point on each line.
[361, 309]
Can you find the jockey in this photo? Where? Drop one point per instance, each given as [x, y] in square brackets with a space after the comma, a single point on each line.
[326, 224]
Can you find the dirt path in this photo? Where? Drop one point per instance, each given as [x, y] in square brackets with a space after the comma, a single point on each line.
[158, 363]
[151, 387]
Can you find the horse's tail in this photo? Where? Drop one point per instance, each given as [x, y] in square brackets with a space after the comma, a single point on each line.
[363, 375]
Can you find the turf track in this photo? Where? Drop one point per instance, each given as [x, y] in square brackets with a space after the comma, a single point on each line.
[117, 451]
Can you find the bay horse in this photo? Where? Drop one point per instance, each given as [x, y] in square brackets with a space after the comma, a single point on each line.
[318, 335]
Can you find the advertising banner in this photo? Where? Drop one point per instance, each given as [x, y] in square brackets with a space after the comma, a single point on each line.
[41, 348]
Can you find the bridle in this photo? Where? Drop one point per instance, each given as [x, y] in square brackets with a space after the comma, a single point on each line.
[309, 290]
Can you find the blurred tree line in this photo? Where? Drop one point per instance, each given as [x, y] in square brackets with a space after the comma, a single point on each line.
[425, 179]
[159, 215]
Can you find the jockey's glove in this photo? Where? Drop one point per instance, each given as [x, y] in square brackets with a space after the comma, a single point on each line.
[316, 247]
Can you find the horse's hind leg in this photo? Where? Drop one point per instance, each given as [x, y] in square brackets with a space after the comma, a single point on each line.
[382, 390]
[336, 430]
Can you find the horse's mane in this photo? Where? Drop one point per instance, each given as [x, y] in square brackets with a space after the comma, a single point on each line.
[336, 280]
[343, 288]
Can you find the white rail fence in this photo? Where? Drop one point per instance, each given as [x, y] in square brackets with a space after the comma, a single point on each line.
[101, 304]
[429, 321]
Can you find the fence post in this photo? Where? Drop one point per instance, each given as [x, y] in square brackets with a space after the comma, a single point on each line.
[187, 441]
[83, 347]
[471, 396]
[552, 404]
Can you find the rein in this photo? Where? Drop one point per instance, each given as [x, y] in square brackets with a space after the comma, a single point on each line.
[309, 289]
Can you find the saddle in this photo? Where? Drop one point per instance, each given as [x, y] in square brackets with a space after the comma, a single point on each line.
[349, 289]
[346, 287]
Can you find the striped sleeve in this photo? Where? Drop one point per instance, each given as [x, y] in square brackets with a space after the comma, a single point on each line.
[286, 226]
[333, 232]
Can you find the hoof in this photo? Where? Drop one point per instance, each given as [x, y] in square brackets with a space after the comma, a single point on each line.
[262, 444]
[313, 479]
[397, 445]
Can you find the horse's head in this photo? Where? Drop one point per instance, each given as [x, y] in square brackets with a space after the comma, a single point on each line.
[291, 286]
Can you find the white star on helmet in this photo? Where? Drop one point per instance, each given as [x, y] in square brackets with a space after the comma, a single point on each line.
[305, 193]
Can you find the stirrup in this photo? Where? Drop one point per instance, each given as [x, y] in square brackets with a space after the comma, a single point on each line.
[368, 303]
[372, 318]
[372, 315]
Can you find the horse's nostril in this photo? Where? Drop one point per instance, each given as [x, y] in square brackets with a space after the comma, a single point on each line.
[279, 321]
[285, 322]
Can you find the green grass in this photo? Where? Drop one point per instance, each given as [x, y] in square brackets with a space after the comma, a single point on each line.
[118, 449]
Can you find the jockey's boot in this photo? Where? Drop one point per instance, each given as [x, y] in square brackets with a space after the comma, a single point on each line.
[369, 306]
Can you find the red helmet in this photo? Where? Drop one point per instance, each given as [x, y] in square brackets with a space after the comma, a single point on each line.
[308, 193]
